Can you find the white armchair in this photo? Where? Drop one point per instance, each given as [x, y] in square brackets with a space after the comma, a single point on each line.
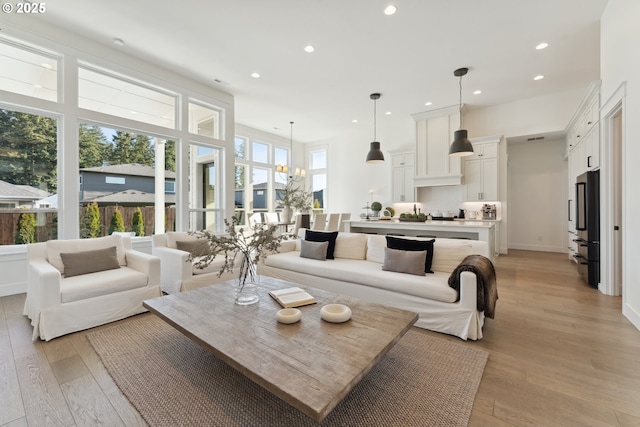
[59, 303]
[177, 272]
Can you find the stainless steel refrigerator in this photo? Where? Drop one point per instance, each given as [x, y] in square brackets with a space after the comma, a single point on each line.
[588, 226]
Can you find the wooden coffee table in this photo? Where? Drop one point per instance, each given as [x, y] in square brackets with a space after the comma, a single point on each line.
[311, 364]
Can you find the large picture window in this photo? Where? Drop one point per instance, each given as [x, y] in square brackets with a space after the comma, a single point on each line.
[28, 72]
[28, 178]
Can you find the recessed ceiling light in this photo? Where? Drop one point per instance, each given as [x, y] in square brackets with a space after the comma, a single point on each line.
[255, 75]
[308, 48]
[538, 77]
[542, 45]
[428, 103]
[37, 86]
[477, 92]
[354, 121]
[390, 10]
[388, 113]
[118, 42]
[133, 112]
[47, 66]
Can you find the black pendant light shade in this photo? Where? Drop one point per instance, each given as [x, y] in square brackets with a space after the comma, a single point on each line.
[375, 153]
[461, 146]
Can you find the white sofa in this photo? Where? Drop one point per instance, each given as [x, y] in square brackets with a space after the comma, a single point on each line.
[357, 271]
[58, 305]
[177, 272]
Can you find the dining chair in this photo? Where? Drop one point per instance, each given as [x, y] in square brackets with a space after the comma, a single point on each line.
[345, 216]
[333, 223]
[271, 217]
[319, 222]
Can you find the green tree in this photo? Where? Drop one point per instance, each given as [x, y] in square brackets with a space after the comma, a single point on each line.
[29, 150]
[26, 232]
[117, 223]
[90, 225]
[128, 148]
[137, 223]
[170, 156]
[92, 146]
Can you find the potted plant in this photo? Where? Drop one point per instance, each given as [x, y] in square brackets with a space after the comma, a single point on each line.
[376, 207]
[240, 250]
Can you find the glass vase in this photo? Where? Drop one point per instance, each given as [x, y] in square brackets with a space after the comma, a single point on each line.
[247, 283]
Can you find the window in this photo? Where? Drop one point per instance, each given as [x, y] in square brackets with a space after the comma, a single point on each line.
[28, 72]
[205, 212]
[122, 97]
[115, 180]
[260, 183]
[260, 152]
[240, 194]
[28, 177]
[318, 174]
[134, 157]
[204, 120]
[240, 147]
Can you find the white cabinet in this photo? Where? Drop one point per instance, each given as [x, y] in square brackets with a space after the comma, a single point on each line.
[403, 171]
[434, 134]
[592, 141]
[481, 173]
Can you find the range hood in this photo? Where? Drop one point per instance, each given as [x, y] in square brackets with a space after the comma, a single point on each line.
[437, 181]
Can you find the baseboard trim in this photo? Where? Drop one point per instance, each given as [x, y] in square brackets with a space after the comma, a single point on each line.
[13, 289]
[632, 315]
[539, 248]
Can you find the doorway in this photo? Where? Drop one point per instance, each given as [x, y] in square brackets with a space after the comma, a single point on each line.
[612, 237]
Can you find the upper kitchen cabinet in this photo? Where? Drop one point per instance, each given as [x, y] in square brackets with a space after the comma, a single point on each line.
[403, 171]
[481, 170]
[583, 126]
[434, 133]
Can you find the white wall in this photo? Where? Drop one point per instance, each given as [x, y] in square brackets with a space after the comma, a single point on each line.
[620, 63]
[537, 174]
[543, 114]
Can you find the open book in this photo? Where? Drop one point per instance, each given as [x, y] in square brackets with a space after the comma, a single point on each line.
[292, 297]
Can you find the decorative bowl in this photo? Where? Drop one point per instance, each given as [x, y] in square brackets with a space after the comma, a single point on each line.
[335, 313]
[288, 315]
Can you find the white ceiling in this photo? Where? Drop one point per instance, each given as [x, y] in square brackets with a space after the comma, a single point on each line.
[408, 57]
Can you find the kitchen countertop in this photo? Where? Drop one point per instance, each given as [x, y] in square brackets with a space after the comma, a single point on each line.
[411, 224]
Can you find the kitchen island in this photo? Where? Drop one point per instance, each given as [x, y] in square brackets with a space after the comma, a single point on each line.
[476, 230]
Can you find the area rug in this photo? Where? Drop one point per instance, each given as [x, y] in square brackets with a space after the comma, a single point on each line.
[172, 381]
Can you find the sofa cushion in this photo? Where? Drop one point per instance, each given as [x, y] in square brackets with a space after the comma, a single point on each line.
[414, 245]
[174, 236]
[448, 253]
[351, 246]
[431, 286]
[314, 250]
[375, 248]
[323, 236]
[197, 248]
[102, 283]
[411, 262]
[55, 247]
[78, 263]
[213, 267]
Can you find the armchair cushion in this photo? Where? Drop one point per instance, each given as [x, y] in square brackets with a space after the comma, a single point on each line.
[78, 263]
[197, 248]
[93, 285]
[55, 247]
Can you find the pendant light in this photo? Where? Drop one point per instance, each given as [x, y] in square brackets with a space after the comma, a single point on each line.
[375, 153]
[297, 173]
[461, 146]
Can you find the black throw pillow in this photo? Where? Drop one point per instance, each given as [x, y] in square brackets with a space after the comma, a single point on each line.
[413, 245]
[323, 236]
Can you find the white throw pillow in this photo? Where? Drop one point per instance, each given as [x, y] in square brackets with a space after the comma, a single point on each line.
[448, 254]
[351, 246]
[375, 248]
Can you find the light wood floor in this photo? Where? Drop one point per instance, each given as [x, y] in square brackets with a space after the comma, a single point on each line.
[562, 354]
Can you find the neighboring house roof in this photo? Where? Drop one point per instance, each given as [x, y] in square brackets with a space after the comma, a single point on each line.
[263, 186]
[132, 169]
[20, 192]
[133, 197]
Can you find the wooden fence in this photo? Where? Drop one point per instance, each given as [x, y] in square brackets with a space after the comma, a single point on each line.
[47, 221]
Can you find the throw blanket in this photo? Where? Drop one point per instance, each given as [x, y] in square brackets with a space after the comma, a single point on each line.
[487, 286]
